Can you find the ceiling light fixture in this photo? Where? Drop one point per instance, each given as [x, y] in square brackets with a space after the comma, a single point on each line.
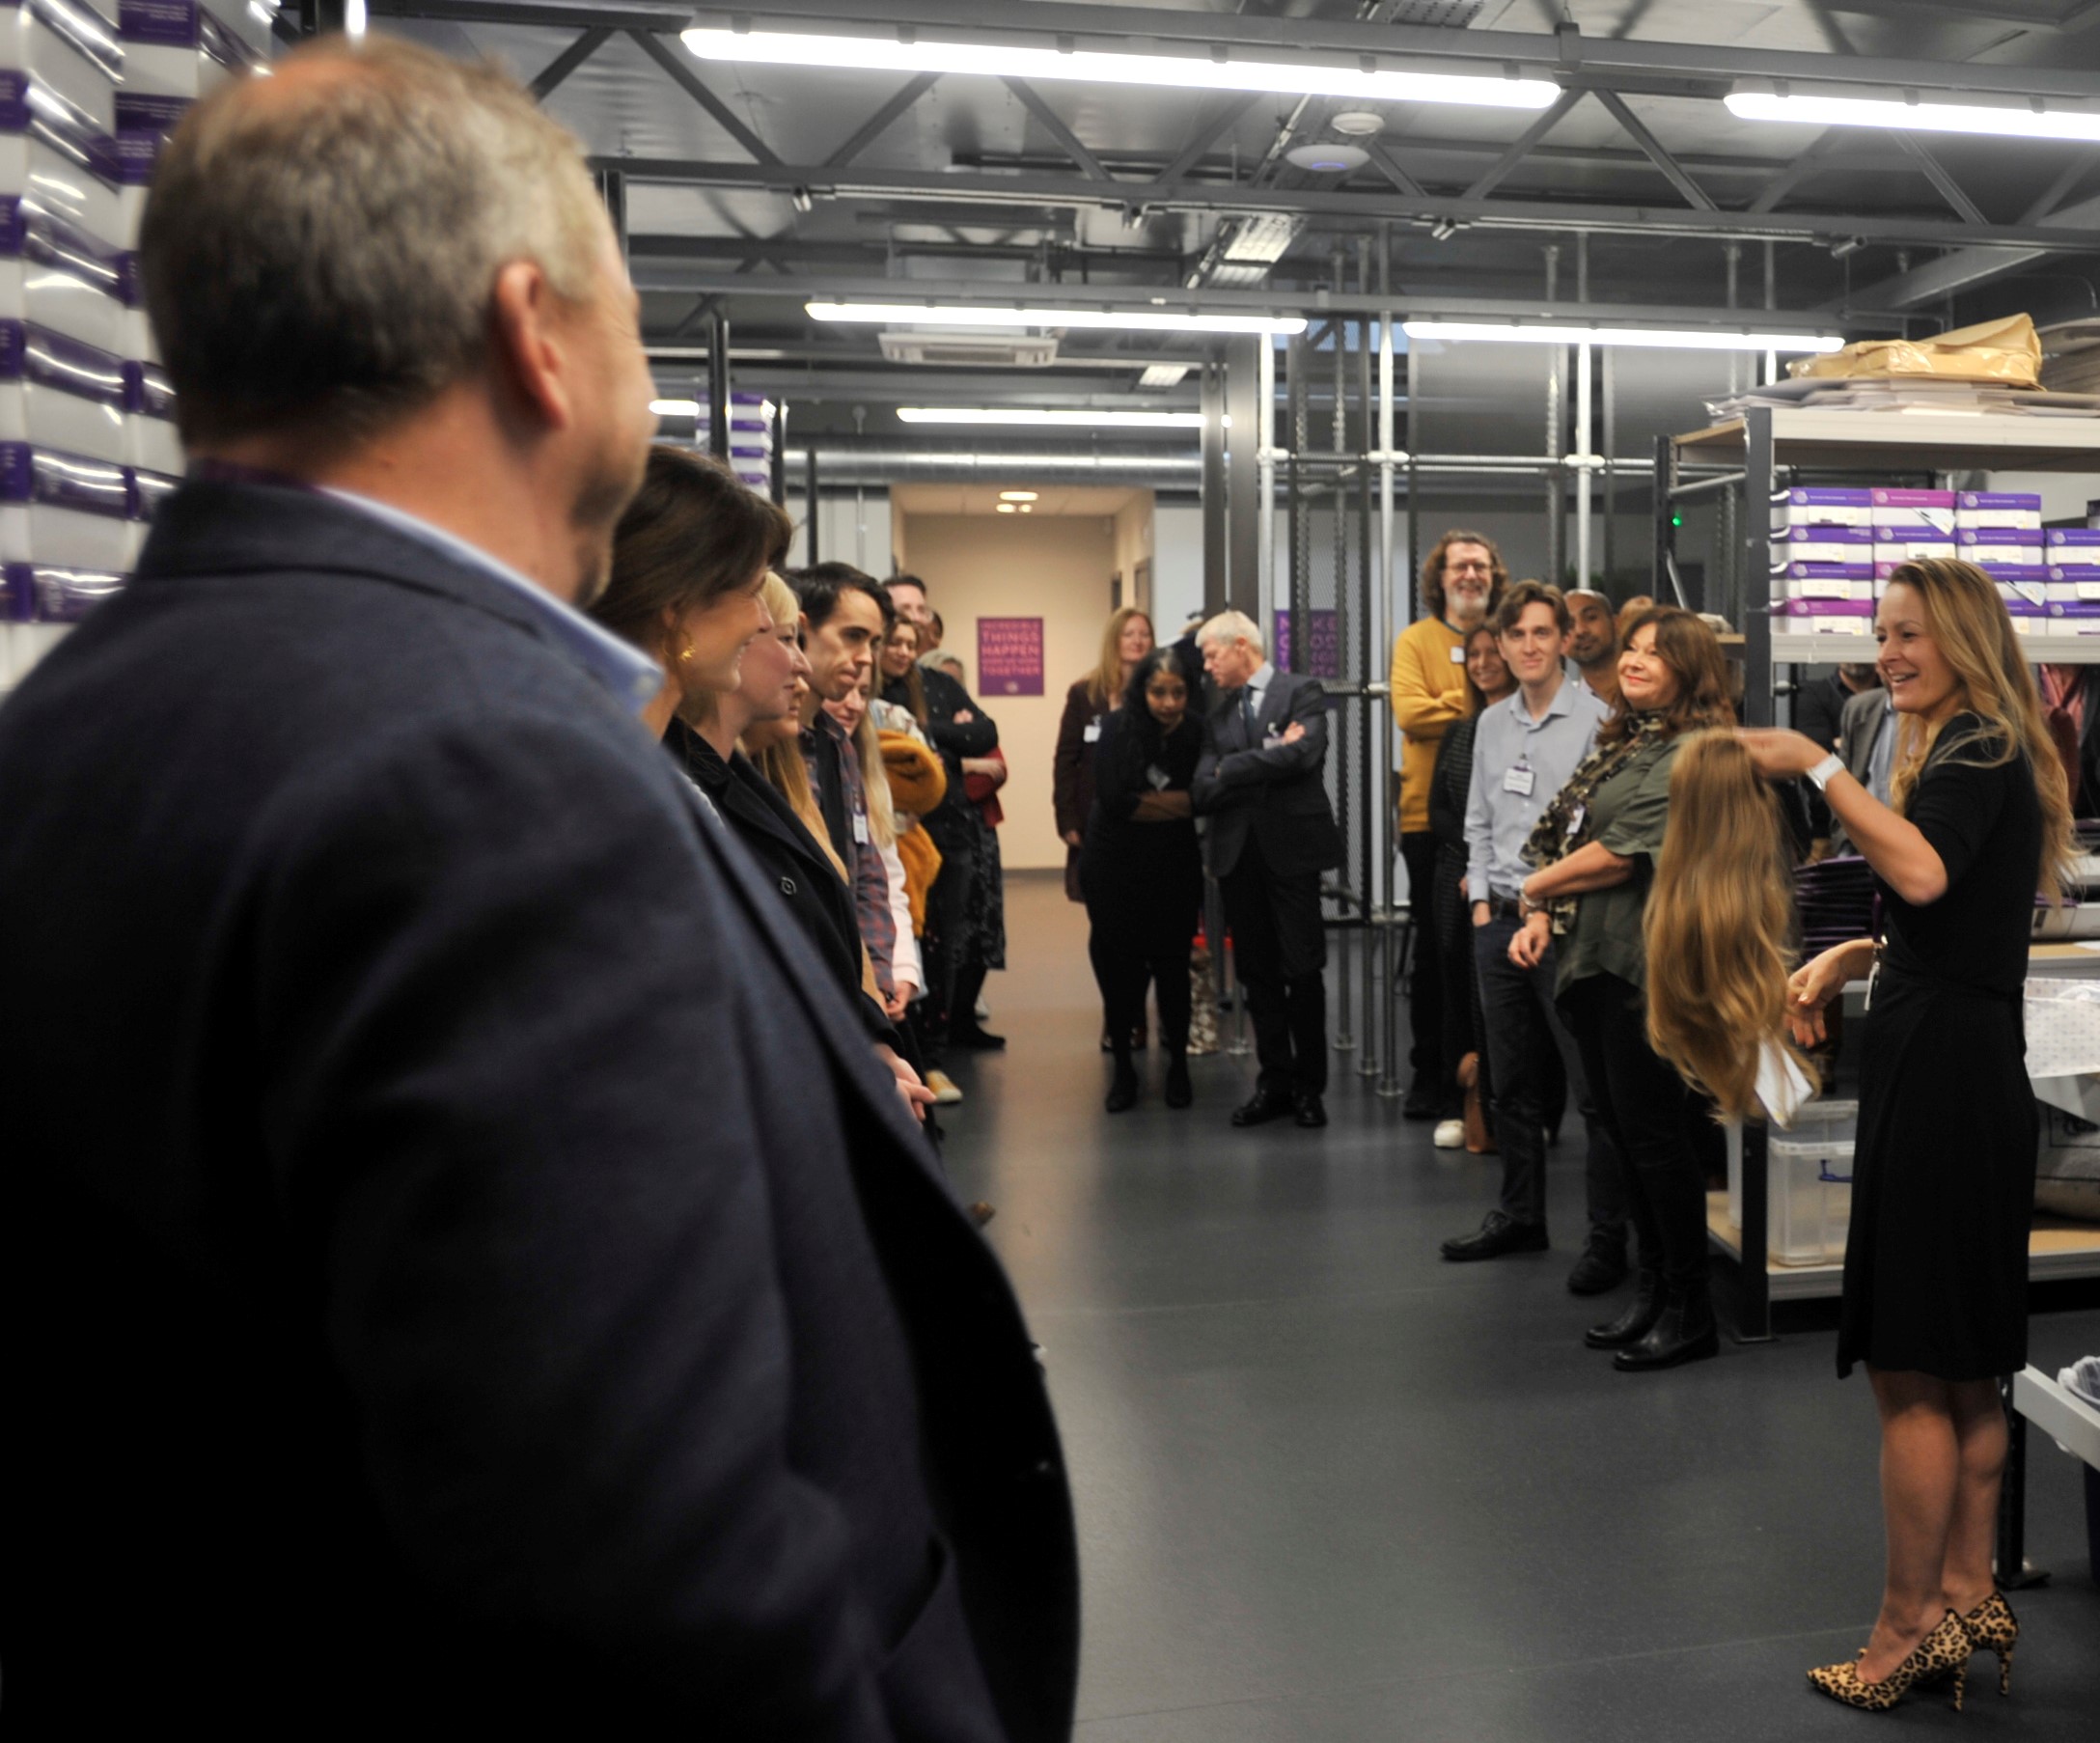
[1808, 109]
[976, 315]
[1691, 338]
[1159, 375]
[989, 415]
[1018, 495]
[1010, 508]
[674, 408]
[1364, 82]
[1358, 124]
[1328, 159]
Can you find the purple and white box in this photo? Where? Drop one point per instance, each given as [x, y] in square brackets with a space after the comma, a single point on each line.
[1822, 544]
[177, 49]
[1911, 543]
[2074, 580]
[1825, 617]
[1827, 506]
[2075, 545]
[1826, 580]
[1998, 509]
[2028, 587]
[60, 151]
[66, 510]
[149, 491]
[56, 276]
[58, 393]
[68, 49]
[2073, 618]
[1895, 508]
[149, 435]
[1987, 545]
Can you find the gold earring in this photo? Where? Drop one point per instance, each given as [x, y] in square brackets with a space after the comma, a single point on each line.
[686, 655]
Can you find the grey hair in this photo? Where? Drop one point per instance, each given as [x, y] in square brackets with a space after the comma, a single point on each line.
[1231, 626]
[320, 248]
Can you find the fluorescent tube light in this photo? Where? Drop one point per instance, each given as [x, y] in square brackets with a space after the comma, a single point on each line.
[674, 408]
[973, 315]
[1364, 82]
[1694, 339]
[1812, 110]
[1162, 374]
[1038, 415]
[1018, 495]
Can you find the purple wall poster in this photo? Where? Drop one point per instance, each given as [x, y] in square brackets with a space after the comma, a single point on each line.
[1010, 657]
[1323, 656]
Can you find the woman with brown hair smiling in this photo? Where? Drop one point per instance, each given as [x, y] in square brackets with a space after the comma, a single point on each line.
[1936, 1259]
[1595, 848]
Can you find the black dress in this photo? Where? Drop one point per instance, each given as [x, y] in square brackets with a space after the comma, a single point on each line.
[1944, 1169]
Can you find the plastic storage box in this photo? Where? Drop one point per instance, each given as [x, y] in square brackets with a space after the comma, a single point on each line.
[1807, 1185]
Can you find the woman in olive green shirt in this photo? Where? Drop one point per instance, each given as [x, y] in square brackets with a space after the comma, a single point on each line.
[1596, 847]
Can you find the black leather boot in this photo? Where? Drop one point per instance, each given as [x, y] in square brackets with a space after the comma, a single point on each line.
[1638, 1318]
[1685, 1333]
[1179, 1091]
[1123, 1092]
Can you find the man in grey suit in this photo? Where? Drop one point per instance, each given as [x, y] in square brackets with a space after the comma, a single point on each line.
[1272, 834]
[464, 1266]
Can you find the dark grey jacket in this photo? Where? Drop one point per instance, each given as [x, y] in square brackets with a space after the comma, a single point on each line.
[1276, 795]
[464, 1263]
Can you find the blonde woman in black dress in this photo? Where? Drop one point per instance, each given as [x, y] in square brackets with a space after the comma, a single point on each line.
[1935, 1290]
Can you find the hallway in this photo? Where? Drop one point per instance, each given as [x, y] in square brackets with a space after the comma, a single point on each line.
[1331, 1488]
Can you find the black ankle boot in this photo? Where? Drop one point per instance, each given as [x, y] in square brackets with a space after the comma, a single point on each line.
[1122, 1093]
[1685, 1333]
[1180, 1092]
[1637, 1321]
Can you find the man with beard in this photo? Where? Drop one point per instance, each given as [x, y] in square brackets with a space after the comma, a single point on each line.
[1593, 642]
[1462, 580]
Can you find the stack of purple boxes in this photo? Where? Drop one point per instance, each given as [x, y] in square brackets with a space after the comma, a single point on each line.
[751, 437]
[2073, 556]
[1823, 562]
[87, 444]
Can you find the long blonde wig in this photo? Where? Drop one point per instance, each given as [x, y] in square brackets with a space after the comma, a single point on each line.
[1105, 688]
[1719, 924]
[1968, 622]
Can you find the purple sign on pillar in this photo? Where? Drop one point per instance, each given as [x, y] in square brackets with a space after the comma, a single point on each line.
[1323, 656]
[1010, 657]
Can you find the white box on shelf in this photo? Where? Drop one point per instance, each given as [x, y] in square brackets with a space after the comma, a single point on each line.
[1896, 508]
[2074, 581]
[55, 155]
[63, 511]
[1821, 506]
[1998, 509]
[2073, 617]
[1987, 545]
[1823, 544]
[177, 49]
[43, 593]
[58, 393]
[54, 274]
[67, 47]
[1925, 545]
[1824, 616]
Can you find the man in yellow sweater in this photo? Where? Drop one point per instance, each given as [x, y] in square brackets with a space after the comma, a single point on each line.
[1462, 581]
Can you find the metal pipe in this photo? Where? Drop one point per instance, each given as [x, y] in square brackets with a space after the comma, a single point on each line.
[1266, 458]
[1344, 1039]
[1391, 615]
[1583, 353]
[809, 540]
[718, 388]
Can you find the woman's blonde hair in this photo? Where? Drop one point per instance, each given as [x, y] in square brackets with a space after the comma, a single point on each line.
[1105, 688]
[1719, 924]
[875, 780]
[1968, 622]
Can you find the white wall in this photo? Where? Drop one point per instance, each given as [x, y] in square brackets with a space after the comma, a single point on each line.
[847, 530]
[1177, 566]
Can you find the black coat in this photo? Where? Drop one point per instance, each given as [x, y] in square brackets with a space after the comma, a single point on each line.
[1277, 795]
[464, 1263]
[952, 823]
[1144, 883]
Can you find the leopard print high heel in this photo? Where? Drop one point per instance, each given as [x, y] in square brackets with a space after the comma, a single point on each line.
[1944, 1651]
[1992, 1626]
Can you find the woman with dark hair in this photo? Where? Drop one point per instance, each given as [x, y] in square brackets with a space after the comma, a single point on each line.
[1595, 848]
[1141, 870]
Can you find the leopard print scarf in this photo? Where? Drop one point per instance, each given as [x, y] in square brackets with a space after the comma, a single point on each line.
[1565, 824]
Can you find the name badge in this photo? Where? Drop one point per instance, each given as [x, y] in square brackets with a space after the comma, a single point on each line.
[860, 828]
[1575, 819]
[1458, 656]
[1272, 739]
[1092, 733]
[1519, 781]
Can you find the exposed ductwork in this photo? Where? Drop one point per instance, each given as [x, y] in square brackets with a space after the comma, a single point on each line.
[844, 462]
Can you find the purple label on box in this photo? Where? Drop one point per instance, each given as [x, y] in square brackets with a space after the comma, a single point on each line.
[149, 112]
[63, 480]
[2074, 572]
[2015, 571]
[1824, 608]
[149, 491]
[2074, 608]
[148, 392]
[136, 153]
[130, 290]
[62, 124]
[2017, 607]
[1860, 535]
[1825, 571]
[168, 23]
[13, 101]
[2022, 536]
[1913, 499]
[1823, 497]
[1999, 499]
[36, 354]
[2071, 536]
[39, 592]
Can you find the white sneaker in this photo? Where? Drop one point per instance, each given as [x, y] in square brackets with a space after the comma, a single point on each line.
[945, 1093]
[1450, 1134]
[984, 1012]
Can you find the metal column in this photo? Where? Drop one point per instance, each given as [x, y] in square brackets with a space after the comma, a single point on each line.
[1265, 472]
[1243, 517]
[1215, 591]
[1583, 452]
[1754, 561]
[718, 387]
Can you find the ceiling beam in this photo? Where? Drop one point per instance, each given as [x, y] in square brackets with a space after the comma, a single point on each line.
[1053, 124]
[1392, 169]
[1566, 53]
[1966, 269]
[1652, 149]
[679, 66]
[547, 18]
[1354, 205]
[1220, 122]
[1492, 177]
[567, 60]
[1936, 173]
[2059, 191]
[878, 123]
[1809, 163]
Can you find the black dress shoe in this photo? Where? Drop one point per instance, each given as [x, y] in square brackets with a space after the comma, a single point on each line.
[1179, 1091]
[1311, 1110]
[1421, 1102]
[1685, 1333]
[1636, 1322]
[1601, 1267]
[1496, 1234]
[976, 1041]
[1122, 1093]
[1263, 1106]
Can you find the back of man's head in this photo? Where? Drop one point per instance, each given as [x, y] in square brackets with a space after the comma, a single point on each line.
[820, 586]
[321, 246]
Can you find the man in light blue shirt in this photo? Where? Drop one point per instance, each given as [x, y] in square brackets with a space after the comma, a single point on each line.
[1524, 750]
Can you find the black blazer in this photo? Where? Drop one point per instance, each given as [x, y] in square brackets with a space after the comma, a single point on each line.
[1276, 795]
[463, 1260]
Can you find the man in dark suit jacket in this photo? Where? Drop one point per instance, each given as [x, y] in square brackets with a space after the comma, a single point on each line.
[1272, 833]
[465, 1264]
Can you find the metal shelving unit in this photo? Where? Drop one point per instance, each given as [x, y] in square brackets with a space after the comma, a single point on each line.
[1764, 451]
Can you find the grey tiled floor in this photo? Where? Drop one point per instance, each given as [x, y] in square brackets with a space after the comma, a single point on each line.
[1331, 1488]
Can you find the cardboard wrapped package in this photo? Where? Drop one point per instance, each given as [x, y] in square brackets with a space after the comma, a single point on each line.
[2004, 351]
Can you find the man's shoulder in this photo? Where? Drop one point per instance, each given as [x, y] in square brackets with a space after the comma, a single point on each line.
[1863, 703]
[1425, 633]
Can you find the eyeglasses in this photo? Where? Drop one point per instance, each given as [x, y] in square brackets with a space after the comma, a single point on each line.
[1463, 569]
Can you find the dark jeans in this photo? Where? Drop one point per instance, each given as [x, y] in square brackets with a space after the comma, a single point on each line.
[1425, 996]
[946, 944]
[1121, 969]
[1656, 1120]
[1523, 1030]
[1279, 949]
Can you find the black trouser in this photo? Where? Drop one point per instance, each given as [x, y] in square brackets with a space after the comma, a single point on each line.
[1433, 1073]
[947, 948]
[1655, 1119]
[1121, 968]
[1279, 949]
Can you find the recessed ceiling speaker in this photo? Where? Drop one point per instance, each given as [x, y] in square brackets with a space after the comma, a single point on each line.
[1330, 159]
